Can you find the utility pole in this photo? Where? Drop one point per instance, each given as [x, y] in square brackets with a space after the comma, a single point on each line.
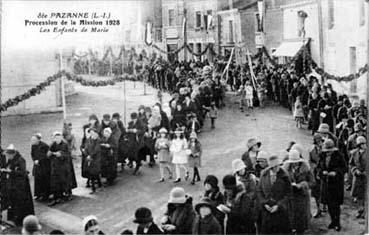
[184, 30]
[367, 129]
[321, 35]
[62, 85]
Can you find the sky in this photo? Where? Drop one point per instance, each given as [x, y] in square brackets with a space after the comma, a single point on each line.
[15, 35]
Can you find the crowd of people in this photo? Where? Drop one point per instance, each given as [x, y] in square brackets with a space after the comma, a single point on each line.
[267, 193]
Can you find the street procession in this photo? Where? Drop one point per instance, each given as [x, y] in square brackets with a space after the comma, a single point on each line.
[184, 117]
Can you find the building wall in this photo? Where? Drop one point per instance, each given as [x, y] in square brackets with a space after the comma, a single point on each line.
[347, 17]
[290, 29]
[22, 70]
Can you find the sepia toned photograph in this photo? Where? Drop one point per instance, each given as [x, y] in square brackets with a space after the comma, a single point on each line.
[245, 117]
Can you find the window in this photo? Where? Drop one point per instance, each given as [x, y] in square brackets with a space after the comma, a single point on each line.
[330, 14]
[208, 19]
[171, 17]
[230, 31]
[158, 35]
[198, 19]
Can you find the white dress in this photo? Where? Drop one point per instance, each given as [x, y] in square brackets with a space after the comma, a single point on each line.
[178, 149]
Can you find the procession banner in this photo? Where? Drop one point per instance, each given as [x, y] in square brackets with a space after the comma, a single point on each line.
[228, 63]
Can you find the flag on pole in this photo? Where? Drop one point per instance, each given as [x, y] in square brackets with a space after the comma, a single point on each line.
[148, 34]
[228, 63]
[210, 21]
[184, 27]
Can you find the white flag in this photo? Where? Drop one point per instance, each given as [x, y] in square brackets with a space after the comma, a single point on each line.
[148, 37]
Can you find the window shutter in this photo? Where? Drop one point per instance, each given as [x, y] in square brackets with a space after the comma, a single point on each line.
[330, 14]
[361, 13]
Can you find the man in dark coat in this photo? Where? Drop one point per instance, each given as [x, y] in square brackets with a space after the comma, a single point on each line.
[58, 154]
[135, 132]
[3, 199]
[331, 170]
[325, 106]
[18, 190]
[93, 159]
[42, 167]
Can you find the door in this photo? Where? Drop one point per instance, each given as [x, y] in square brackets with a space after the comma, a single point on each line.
[353, 84]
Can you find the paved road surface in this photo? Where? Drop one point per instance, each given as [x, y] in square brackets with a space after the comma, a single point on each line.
[115, 206]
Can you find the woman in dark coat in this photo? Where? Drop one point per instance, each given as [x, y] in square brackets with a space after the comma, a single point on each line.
[18, 189]
[274, 190]
[93, 159]
[58, 154]
[93, 123]
[314, 120]
[41, 169]
[239, 208]
[212, 191]
[302, 180]
[180, 215]
[331, 169]
[325, 106]
[108, 161]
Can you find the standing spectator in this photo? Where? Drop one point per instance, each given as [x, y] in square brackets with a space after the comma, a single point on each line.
[331, 168]
[93, 159]
[108, 162]
[178, 150]
[249, 95]
[146, 225]
[213, 193]
[58, 154]
[237, 207]
[314, 155]
[357, 167]
[298, 112]
[194, 159]
[301, 181]
[18, 190]
[162, 146]
[180, 214]
[213, 113]
[249, 157]
[41, 169]
[261, 163]
[325, 107]
[205, 222]
[314, 118]
[274, 190]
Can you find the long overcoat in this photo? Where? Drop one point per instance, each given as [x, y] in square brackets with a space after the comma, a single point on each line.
[332, 187]
[18, 190]
[93, 149]
[299, 203]
[41, 172]
[108, 160]
[274, 194]
[357, 167]
[59, 181]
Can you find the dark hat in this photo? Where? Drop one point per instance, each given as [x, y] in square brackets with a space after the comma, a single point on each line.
[93, 117]
[142, 216]
[351, 123]
[212, 180]
[106, 117]
[317, 137]
[141, 107]
[116, 115]
[205, 201]
[329, 146]
[134, 115]
[229, 182]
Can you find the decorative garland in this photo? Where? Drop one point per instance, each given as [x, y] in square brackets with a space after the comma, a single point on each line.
[198, 54]
[321, 72]
[31, 92]
[84, 82]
